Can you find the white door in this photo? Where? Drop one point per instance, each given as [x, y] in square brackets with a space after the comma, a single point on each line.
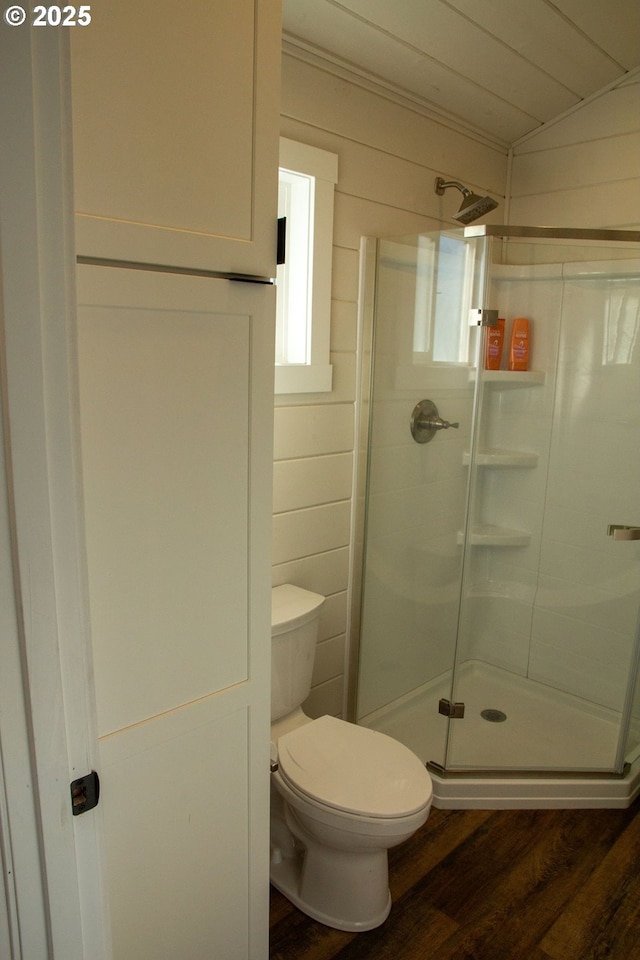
[176, 413]
[168, 777]
[50, 859]
[175, 123]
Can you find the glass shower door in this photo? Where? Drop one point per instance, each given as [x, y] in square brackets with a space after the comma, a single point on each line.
[424, 369]
[547, 641]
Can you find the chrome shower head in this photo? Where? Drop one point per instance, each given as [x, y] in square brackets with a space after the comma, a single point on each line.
[472, 205]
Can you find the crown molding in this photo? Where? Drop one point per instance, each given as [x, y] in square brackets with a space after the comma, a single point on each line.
[323, 59]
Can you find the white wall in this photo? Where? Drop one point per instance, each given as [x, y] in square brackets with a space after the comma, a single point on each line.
[389, 153]
[583, 170]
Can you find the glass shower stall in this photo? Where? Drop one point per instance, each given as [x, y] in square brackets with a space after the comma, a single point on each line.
[499, 620]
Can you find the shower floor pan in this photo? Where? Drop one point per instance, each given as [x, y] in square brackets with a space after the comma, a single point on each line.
[543, 728]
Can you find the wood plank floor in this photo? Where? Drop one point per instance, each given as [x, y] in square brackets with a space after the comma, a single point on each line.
[495, 885]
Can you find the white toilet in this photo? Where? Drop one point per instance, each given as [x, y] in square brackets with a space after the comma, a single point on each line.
[341, 794]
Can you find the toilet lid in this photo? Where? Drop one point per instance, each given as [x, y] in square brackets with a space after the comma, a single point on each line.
[354, 769]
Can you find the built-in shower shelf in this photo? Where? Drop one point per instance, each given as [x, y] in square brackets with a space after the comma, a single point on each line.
[489, 535]
[502, 458]
[512, 379]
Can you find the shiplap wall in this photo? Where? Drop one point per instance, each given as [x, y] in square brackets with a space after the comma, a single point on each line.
[583, 170]
[389, 153]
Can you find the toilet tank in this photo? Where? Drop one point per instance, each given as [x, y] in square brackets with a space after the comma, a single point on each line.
[295, 615]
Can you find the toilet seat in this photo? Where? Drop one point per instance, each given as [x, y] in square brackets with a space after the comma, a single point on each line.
[353, 769]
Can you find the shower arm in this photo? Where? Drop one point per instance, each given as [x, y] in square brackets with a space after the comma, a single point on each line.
[442, 185]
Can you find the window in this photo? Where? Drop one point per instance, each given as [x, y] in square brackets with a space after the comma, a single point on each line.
[303, 313]
[444, 286]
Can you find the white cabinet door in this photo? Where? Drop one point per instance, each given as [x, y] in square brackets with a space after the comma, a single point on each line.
[176, 116]
[176, 424]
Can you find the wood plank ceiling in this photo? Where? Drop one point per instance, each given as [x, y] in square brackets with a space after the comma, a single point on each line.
[500, 67]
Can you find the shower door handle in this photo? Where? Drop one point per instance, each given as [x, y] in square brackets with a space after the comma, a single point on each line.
[619, 532]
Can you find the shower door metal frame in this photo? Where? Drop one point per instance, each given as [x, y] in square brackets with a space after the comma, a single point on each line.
[552, 233]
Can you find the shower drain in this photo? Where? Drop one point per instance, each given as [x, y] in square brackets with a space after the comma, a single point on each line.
[495, 716]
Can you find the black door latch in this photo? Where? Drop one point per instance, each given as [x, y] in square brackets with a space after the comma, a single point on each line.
[85, 793]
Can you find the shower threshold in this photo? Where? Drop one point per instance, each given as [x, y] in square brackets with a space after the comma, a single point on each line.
[544, 728]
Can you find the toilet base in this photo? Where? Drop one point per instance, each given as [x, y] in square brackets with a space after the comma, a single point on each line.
[343, 889]
[285, 875]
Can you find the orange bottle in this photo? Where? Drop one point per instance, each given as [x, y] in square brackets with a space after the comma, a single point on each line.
[520, 344]
[495, 343]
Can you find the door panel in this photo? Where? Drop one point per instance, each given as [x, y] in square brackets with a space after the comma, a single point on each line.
[176, 442]
[165, 433]
[175, 117]
[173, 820]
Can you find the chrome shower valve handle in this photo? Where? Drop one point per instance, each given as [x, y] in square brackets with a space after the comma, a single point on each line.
[426, 421]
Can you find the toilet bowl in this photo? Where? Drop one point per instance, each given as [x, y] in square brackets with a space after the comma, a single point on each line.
[341, 795]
